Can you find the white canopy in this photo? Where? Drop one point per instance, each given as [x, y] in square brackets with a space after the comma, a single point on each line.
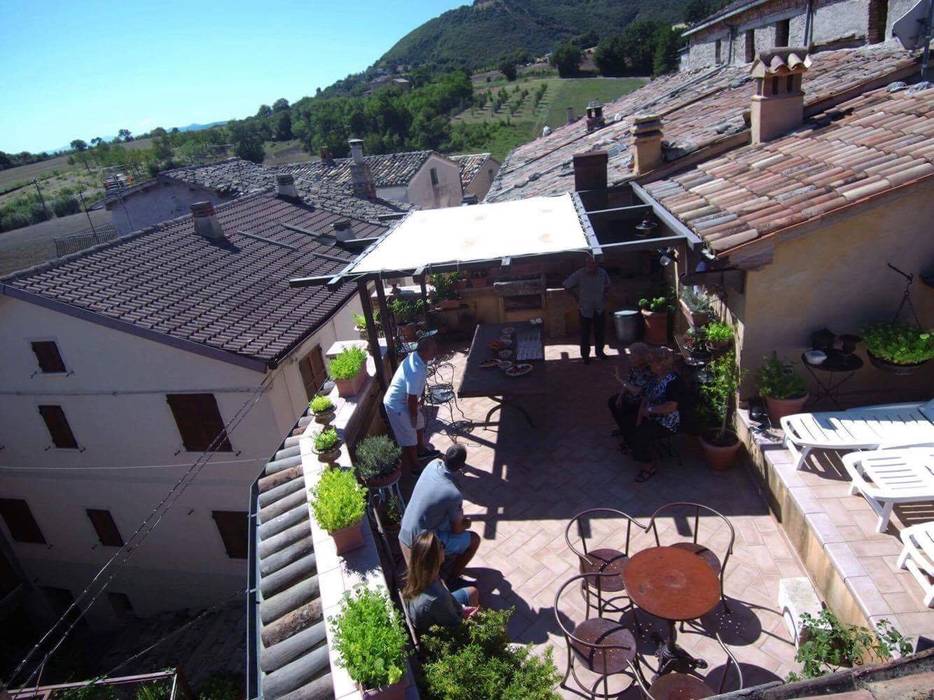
[534, 226]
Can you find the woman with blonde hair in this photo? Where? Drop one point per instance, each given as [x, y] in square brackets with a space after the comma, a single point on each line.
[624, 404]
[428, 601]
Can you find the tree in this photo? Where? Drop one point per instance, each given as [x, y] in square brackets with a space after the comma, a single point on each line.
[283, 128]
[124, 135]
[610, 56]
[5, 161]
[508, 68]
[247, 140]
[667, 42]
[264, 111]
[566, 57]
[79, 145]
[696, 10]
[639, 47]
[97, 141]
[280, 105]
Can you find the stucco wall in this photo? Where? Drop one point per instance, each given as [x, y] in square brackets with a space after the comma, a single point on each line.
[447, 193]
[836, 277]
[480, 185]
[839, 20]
[165, 200]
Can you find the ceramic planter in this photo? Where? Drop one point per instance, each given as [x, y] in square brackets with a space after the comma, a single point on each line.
[351, 387]
[396, 691]
[378, 482]
[720, 458]
[695, 319]
[325, 418]
[348, 538]
[779, 408]
[892, 368]
[656, 327]
[329, 457]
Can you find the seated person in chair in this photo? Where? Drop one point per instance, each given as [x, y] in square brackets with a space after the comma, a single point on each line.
[428, 601]
[635, 365]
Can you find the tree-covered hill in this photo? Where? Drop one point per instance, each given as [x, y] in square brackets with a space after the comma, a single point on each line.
[478, 35]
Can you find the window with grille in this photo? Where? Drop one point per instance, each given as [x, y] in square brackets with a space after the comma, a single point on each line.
[781, 32]
[314, 374]
[233, 527]
[199, 422]
[49, 358]
[59, 429]
[105, 527]
[19, 521]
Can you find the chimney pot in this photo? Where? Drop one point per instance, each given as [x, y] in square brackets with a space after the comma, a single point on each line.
[590, 171]
[285, 186]
[356, 150]
[360, 175]
[343, 231]
[778, 105]
[205, 219]
[646, 131]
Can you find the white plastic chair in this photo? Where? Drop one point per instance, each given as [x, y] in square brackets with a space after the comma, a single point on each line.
[918, 557]
[887, 477]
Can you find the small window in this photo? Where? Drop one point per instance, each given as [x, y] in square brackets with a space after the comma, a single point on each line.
[199, 422]
[49, 358]
[105, 527]
[314, 375]
[18, 518]
[58, 427]
[122, 607]
[716, 51]
[234, 531]
[434, 177]
[750, 45]
[781, 32]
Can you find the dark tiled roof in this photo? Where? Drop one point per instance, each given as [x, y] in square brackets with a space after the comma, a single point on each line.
[230, 296]
[470, 165]
[342, 200]
[699, 108]
[230, 177]
[885, 140]
[388, 170]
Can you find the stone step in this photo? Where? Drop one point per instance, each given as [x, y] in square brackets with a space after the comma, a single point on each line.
[286, 576]
[285, 556]
[283, 505]
[291, 623]
[271, 544]
[296, 674]
[278, 478]
[286, 651]
[281, 490]
[274, 607]
[319, 689]
[286, 520]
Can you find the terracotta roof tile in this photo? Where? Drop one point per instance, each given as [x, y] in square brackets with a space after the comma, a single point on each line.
[470, 164]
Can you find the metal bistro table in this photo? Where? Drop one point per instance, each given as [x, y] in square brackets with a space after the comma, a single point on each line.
[675, 585]
[840, 368]
[492, 382]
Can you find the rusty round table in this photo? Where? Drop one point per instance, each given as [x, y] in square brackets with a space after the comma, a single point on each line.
[674, 584]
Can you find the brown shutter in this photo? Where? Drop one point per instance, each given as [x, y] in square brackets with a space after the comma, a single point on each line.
[199, 421]
[105, 527]
[57, 424]
[18, 518]
[313, 372]
[234, 530]
[48, 356]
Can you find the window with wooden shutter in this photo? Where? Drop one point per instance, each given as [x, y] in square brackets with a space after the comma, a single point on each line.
[105, 527]
[233, 526]
[313, 372]
[49, 358]
[18, 518]
[59, 429]
[199, 422]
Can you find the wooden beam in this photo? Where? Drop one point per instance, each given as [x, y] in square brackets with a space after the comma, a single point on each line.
[313, 281]
[372, 333]
[635, 209]
[587, 227]
[389, 324]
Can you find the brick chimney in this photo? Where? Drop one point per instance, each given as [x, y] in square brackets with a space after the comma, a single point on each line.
[778, 105]
[285, 186]
[343, 230]
[360, 174]
[206, 223]
[646, 131]
[590, 171]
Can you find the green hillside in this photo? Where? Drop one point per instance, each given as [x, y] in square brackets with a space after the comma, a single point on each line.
[476, 36]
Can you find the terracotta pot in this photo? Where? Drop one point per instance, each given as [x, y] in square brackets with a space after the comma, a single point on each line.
[325, 418]
[348, 538]
[779, 408]
[407, 330]
[396, 691]
[378, 482]
[350, 387]
[720, 458]
[892, 368]
[656, 327]
[695, 319]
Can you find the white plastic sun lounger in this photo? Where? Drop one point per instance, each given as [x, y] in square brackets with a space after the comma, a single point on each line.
[887, 477]
[869, 428]
[918, 557]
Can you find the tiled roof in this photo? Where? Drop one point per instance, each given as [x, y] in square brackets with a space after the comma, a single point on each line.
[470, 165]
[171, 283]
[881, 140]
[230, 177]
[388, 170]
[699, 108]
[343, 201]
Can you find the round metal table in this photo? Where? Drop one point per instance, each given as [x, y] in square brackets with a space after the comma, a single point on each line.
[839, 368]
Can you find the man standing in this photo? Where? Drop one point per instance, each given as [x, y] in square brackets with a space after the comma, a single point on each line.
[591, 287]
[437, 505]
[402, 403]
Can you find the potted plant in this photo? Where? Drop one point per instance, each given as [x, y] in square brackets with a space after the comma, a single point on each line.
[695, 342]
[784, 390]
[377, 461]
[406, 313]
[445, 292]
[460, 280]
[695, 307]
[390, 515]
[718, 393]
[323, 409]
[655, 315]
[371, 641]
[327, 446]
[359, 323]
[338, 504]
[719, 336]
[898, 347]
[348, 371]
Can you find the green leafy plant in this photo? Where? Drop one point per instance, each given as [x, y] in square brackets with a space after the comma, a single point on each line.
[359, 321]
[320, 404]
[406, 310]
[91, 691]
[899, 343]
[829, 643]
[370, 639]
[696, 339]
[777, 379]
[719, 333]
[393, 510]
[718, 394]
[697, 303]
[654, 304]
[377, 455]
[327, 440]
[444, 284]
[338, 500]
[475, 660]
[221, 686]
[158, 690]
[348, 363]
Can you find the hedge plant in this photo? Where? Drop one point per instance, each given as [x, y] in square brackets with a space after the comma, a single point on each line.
[348, 363]
[370, 639]
[376, 455]
[778, 379]
[338, 500]
[899, 343]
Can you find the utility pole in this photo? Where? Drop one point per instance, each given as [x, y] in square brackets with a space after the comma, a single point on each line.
[86, 213]
[42, 199]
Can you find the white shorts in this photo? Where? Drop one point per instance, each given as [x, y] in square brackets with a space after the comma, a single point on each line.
[402, 429]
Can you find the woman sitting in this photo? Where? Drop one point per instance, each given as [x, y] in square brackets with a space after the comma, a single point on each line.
[427, 600]
[657, 416]
[625, 404]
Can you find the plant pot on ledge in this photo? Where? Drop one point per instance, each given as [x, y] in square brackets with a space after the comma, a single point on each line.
[329, 456]
[384, 480]
[779, 408]
[396, 691]
[348, 538]
[656, 327]
[695, 319]
[720, 454]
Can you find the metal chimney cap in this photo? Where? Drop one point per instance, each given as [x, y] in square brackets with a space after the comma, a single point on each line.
[202, 209]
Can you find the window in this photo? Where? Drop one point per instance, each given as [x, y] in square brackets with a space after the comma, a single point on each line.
[59, 429]
[750, 45]
[105, 527]
[716, 52]
[199, 421]
[18, 518]
[233, 528]
[47, 355]
[122, 607]
[781, 32]
[878, 17]
[313, 372]
[434, 177]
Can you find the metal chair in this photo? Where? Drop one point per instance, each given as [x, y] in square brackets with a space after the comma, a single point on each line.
[717, 563]
[690, 685]
[603, 560]
[604, 647]
[439, 391]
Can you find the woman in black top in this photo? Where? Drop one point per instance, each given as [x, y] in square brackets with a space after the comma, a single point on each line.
[428, 601]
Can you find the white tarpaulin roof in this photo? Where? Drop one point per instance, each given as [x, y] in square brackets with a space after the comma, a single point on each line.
[531, 226]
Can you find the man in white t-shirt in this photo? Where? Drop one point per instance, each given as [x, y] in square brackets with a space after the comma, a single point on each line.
[590, 285]
[402, 403]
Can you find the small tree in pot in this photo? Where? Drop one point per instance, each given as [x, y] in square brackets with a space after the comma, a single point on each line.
[718, 394]
[655, 315]
[323, 409]
[445, 293]
[377, 461]
[406, 313]
[898, 347]
[339, 504]
[327, 446]
[784, 390]
[348, 370]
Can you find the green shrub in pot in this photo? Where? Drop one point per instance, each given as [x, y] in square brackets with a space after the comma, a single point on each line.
[778, 379]
[719, 334]
[376, 456]
[321, 404]
[899, 343]
[654, 304]
[718, 395]
[348, 363]
[338, 500]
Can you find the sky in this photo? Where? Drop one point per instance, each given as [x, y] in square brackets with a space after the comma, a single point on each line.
[84, 68]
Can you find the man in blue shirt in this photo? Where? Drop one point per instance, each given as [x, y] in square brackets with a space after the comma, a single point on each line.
[437, 505]
[402, 403]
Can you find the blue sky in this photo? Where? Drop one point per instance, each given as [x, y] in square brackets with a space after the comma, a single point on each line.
[84, 68]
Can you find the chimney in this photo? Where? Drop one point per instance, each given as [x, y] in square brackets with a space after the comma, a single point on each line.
[343, 231]
[206, 223]
[285, 186]
[778, 105]
[571, 117]
[326, 156]
[360, 174]
[590, 171]
[646, 133]
[595, 118]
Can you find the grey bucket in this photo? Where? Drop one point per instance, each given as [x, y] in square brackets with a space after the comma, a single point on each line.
[628, 324]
